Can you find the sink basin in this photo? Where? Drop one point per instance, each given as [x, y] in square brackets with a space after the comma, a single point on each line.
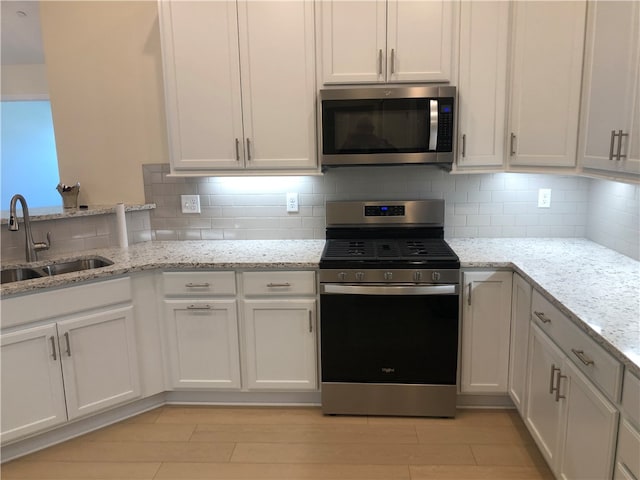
[17, 274]
[75, 266]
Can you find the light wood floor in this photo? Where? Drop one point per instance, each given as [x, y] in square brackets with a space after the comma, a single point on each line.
[292, 444]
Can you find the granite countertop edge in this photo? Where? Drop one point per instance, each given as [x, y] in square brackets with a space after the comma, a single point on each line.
[548, 275]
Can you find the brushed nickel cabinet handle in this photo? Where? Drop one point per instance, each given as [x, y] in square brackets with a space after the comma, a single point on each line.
[248, 149]
[66, 337]
[380, 62]
[543, 318]
[197, 285]
[53, 347]
[237, 150]
[393, 61]
[613, 142]
[512, 150]
[464, 145]
[551, 379]
[582, 357]
[274, 285]
[310, 322]
[469, 295]
[621, 134]
[558, 380]
[198, 307]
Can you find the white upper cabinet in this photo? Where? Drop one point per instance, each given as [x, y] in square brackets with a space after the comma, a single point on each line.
[610, 109]
[548, 40]
[378, 41]
[482, 79]
[239, 85]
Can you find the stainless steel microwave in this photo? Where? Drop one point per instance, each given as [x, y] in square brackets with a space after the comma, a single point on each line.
[387, 125]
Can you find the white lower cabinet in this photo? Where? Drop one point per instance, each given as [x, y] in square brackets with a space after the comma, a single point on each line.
[68, 369]
[573, 424]
[520, 321]
[280, 344]
[486, 317]
[202, 336]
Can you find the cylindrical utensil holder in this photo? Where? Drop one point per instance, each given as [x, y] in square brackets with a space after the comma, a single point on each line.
[121, 219]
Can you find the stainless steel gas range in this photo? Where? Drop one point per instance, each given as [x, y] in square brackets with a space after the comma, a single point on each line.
[389, 303]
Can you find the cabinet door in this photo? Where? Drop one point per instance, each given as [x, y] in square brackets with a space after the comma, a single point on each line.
[484, 30]
[419, 38]
[543, 411]
[99, 360]
[32, 389]
[353, 40]
[590, 430]
[202, 339]
[520, 320]
[280, 342]
[202, 83]
[278, 83]
[486, 315]
[611, 83]
[546, 79]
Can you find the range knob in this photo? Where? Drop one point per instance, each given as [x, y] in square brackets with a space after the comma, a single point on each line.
[342, 276]
[435, 276]
[417, 276]
[360, 276]
[388, 275]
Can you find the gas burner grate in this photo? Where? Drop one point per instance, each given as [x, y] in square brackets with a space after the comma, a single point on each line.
[425, 248]
[348, 249]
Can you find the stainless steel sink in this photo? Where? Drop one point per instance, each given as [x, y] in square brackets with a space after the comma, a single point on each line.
[75, 266]
[17, 274]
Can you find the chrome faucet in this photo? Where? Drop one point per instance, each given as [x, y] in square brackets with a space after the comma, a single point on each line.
[31, 248]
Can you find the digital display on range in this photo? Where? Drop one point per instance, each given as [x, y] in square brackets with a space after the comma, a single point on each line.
[384, 210]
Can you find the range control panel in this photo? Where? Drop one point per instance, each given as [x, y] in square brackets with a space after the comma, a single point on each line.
[384, 211]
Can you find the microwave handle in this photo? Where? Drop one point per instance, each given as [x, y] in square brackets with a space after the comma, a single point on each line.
[433, 125]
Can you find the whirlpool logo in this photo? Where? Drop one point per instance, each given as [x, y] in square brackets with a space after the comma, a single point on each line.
[388, 370]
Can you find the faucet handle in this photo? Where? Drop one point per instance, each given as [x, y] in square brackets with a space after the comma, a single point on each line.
[43, 245]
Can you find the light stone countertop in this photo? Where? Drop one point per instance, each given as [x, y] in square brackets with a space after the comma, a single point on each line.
[598, 288]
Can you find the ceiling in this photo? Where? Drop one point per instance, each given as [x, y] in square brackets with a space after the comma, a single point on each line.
[20, 37]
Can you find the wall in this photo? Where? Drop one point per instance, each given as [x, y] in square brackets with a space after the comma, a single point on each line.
[24, 82]
[614, 216]
[105, 82]
[488, 205]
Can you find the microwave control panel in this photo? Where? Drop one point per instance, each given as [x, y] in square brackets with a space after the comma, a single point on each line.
[445, 125]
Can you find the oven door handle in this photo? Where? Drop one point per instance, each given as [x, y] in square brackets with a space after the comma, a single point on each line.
[331, 288]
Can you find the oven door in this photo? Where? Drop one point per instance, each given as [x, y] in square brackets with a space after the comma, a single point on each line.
[380, 334]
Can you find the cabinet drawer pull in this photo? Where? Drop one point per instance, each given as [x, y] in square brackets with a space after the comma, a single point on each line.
[66, 337]
[512, 151]
[274, 285]
[469, 296]
[542, 317]
[197, 285]
[380, 62]
[551, 379]
[248, 149]
[582, 357]
[310, 322]
[464, 145]
[393, 60]
[237, 150]
[198, 307]
[53, 347]
[558, 380]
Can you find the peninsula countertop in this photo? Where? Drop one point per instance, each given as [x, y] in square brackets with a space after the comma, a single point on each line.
[598, 288]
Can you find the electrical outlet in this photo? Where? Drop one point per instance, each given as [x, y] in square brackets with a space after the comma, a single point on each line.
[190, 203]
[544, 198]
[292, 202]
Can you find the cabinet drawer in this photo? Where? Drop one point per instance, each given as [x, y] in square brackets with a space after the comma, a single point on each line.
[628, 449]
[64, 301]
[199, 283]
[592, 360]
[631, 398]
[279, 283]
